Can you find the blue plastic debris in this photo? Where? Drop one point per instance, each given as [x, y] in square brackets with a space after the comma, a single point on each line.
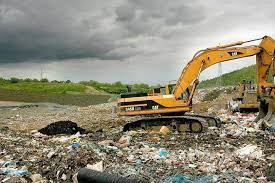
[271, 129]
[189, 179]
[76, 145]
[14, 172]
[163, 152]
[176, 179]
[8, 164]
[8, 168]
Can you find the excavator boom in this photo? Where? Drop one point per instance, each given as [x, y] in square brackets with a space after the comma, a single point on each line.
[208, 58]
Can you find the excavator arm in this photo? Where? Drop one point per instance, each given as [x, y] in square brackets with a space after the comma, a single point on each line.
[264, 64]
[210, 56]
[265, 89]
[206, 58]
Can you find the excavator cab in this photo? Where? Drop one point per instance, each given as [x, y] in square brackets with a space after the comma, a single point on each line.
[163, 90]
[159, 91]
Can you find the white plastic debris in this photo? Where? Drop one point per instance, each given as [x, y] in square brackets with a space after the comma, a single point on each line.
[251, 151]
[125, 139]
[97, 166]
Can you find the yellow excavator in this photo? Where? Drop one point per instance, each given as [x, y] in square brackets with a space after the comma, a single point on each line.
[167, 106]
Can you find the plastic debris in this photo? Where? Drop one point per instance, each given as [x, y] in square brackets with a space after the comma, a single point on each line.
[106, 142]
[14, 172]
[271, 172]
[162, 152]
[190, 179]
[251, 151]
[97, 166]
[236, 152]
[124, 141]
[75, 145]
[51, 153]
[36, 177]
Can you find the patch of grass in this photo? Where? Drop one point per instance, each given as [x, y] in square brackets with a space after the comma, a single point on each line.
[91, 87]
[233, 78]
[117, 87]
[63, 99]
[44, 87]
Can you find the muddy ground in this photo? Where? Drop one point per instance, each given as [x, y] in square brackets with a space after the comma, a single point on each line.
[237, 152]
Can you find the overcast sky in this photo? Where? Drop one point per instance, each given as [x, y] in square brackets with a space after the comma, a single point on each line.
[123, 40]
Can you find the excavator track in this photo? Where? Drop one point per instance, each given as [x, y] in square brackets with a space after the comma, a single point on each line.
[186, 123]
[212, 121]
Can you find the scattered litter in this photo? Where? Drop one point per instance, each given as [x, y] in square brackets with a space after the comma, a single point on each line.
[36, 177]
[251, 151]
[97, 166]
[124, 141]
[51, 154]
[189, 178]
[271, 172]
[236, 152]
[75, 145]
[106, 142]
[14, 172]
[163, 152]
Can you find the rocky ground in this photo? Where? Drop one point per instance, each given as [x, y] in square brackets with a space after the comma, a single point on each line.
[237, 152]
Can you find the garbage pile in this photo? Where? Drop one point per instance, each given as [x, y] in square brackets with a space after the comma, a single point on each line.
[214, 98]
[237, 152]
[209, 94]
[34, 156]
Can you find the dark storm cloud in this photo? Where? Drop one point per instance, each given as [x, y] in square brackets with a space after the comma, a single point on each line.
[150, 17]
[39, 30]
[63, 36]
[69, 34]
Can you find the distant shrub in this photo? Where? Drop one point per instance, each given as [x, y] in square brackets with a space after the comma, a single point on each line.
[44, 80]
[27, 80]
[54, 81]
[14, 80]
[117, 87]
[2, 80]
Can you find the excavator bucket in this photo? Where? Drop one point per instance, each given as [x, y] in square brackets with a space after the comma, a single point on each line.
[266, 116]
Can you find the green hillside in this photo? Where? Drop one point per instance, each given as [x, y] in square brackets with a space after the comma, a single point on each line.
[43, 86]
[232, 78]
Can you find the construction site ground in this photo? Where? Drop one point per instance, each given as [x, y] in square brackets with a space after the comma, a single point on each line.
[237, 152]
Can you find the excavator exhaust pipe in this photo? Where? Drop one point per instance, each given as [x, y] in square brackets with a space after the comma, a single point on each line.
[266, 116]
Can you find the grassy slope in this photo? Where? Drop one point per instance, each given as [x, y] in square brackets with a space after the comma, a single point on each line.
[44, 87]
[232, 78]
[61, 93]
[65, 99]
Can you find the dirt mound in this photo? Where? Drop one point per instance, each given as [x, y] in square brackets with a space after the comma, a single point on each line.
[61, 127]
